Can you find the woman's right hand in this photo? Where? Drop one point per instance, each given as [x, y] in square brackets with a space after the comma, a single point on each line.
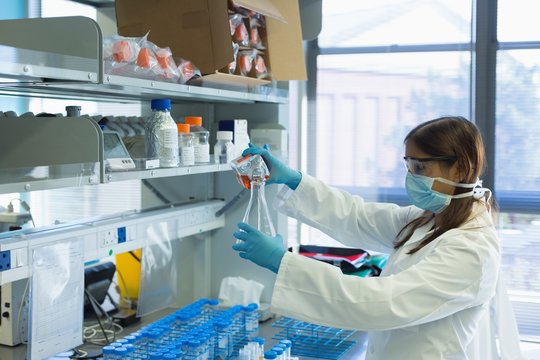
[279, 172]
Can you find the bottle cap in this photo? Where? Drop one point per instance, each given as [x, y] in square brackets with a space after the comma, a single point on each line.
[160, 104]
[183, 128]
[108, 349]
[286, 342]
[193, 120]
[224, 135]
[270, 355]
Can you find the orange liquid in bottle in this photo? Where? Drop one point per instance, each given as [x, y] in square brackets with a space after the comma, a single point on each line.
[246, 181]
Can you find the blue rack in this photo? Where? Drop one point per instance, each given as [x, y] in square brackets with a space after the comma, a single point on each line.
[314, 340]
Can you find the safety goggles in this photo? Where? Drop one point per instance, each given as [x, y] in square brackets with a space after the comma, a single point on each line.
[419, 166]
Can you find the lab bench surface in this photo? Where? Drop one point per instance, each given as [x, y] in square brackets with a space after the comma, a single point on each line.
[266, 330]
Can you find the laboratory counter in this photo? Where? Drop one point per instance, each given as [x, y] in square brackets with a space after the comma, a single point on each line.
[267, 330]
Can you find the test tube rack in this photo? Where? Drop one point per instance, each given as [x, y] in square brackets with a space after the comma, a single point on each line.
[314, 340]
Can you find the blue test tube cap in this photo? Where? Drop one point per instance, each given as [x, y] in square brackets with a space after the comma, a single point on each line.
[116, 344]
[169, 356]
[253, 306]
[221, 325]
[155, 355]
[121, 351]
[278, 350]
[258, 340]
[130, 339]
[270, 355]
[213, 302]
[287, 343]
[108, 350]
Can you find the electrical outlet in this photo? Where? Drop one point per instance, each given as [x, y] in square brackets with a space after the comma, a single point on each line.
[108, 237]
[5, 260]
[122, 234]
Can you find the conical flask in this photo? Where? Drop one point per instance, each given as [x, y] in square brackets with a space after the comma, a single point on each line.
[257, 214]
[252, 172]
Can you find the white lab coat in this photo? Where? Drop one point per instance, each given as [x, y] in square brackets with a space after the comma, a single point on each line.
[443, 302]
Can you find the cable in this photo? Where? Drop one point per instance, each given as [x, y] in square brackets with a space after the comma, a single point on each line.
[93, 332]
[135, 256]
[19, 313]
[24, 205]
[90, 299]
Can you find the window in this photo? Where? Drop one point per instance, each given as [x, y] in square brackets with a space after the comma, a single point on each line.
[385, 66]
[402, 63]
[517, 157]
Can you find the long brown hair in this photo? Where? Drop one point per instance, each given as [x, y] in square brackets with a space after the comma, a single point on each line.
[457, 137]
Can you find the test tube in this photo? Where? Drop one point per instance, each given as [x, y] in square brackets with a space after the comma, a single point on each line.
[288, 344]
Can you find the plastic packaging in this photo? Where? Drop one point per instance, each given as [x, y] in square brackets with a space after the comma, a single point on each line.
[249, 168]
[185, 145]
[162, 134]
[246, 59]
[224, 148]
[201, 135]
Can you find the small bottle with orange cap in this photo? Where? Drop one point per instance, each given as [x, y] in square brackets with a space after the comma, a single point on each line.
[185, 145]
[200, 139]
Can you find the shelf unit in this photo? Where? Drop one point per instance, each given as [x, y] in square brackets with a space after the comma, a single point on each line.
[52, 63]
[62, 59]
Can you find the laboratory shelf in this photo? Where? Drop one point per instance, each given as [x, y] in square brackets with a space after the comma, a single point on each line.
[165, 172]
[54, 63]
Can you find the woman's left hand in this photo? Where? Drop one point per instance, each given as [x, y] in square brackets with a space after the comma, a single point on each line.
[263, 250]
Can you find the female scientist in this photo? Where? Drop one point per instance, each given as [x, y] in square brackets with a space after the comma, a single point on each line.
[440, 295]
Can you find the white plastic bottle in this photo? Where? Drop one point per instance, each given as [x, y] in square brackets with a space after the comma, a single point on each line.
[164, 132]
[224, 148]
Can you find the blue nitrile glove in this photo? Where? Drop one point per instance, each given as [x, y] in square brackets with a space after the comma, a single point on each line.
[263, 250]
[279, 172]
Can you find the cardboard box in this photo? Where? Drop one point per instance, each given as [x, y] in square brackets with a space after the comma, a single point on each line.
[198, 30]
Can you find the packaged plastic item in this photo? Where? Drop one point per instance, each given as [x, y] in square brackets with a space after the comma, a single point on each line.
[255, 40]
[125, 50]
[250, 168]
[245, 61]
[185, 145]
[162, 134]
[187, 71]
[200, 135]
[240, 34]
[231, 67]
[261, 70]
[224, 148]
[167, 67]
[146, 58]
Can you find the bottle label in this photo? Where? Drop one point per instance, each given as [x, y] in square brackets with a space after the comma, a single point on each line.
[202, 153]
[187, 156]
[168, 149]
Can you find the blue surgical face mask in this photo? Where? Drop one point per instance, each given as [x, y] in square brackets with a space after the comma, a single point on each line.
[421, 195]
